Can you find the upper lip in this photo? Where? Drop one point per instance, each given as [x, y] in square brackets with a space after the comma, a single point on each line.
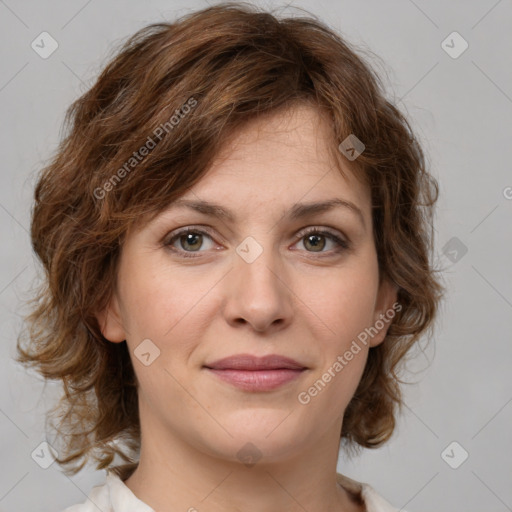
[250, 362]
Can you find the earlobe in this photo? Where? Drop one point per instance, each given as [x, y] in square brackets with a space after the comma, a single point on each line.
[109, 321]
[385, 310]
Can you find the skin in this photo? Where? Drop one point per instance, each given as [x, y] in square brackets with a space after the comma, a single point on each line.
[294, 299]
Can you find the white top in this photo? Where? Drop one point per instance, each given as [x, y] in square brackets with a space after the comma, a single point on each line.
[115, 496]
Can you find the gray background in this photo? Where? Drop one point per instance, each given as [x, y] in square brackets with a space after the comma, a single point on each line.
[461, 109]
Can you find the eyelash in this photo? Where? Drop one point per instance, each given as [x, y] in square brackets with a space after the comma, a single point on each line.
[342, 244]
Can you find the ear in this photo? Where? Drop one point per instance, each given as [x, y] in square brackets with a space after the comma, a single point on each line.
[109, 320]
[386, 307]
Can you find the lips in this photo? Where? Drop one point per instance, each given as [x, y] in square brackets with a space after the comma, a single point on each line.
[248, 362]
[256, 374]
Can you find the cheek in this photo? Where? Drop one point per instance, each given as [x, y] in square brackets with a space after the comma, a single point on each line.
[346, 309]
[163, 302]
[152, 296]
[343, 300]
[158, 306]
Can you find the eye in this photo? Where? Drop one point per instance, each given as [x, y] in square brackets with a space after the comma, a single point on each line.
[314, 238]
[188, 238]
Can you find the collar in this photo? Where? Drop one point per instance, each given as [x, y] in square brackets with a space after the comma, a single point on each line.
[123, 499]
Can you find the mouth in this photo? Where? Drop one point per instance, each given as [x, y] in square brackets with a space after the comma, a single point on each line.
[248, 362]
[252, 373]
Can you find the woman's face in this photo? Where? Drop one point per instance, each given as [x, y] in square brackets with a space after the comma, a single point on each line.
[256, 284]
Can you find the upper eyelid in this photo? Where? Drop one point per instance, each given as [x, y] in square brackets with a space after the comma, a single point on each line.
[178, 231]
[212, 231]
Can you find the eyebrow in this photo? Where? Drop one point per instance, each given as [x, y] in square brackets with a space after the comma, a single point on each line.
[298, 211]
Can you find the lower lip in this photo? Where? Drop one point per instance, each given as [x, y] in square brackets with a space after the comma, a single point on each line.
[257, 380]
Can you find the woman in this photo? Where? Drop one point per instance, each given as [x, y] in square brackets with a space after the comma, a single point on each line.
[235, 234]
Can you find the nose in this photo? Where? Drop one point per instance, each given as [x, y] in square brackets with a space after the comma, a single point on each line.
[258, 292]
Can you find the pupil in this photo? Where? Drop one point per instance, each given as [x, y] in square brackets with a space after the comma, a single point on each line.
[314, 241]
[189, 238]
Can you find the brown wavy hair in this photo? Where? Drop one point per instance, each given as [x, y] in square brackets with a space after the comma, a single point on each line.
[233, 62]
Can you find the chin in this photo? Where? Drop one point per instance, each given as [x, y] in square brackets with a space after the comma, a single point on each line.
[254, 435]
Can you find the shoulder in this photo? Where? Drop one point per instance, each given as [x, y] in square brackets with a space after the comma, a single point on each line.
[112, 496]
[372, 500]
[98, 498]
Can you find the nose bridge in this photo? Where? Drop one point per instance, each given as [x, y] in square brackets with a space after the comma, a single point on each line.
[257, 260]
[258, 294]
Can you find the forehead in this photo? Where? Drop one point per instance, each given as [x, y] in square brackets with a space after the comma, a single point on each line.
[281, 158]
